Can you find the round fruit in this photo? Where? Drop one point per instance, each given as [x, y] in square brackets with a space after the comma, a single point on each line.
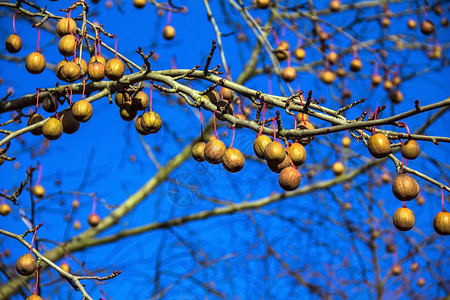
[412, 24]
[302, 117]
[233, 161]
[13, 43]
[35, 63]
[385, 22]
[77, 225]
[67, 45]
[50, 104]
[379, 145]
[414, 267]
[420, 200]
[198, 151]
[396, 270]
[114, 69]
[52, 129]
[386, 178]
[427, 27]
[65, 266]
[5, 209]
[66, 26]
[297, 153]
[338, 168]
[356, 65]
[347, 206]
[70, 71]
[34, 297]
[140, 101]
[410, 149]
[323, 36]
[334, 5]
[388, 85]
[138, 126]
[127, 112]
[168, 32]
[327, 77]
[227, 93]
[376, 80]
[277, 168]
[396, 96]
[299, 53]
[288, 74]
[282, 51]
[214, 151]
[274, 153]
[341, 72]
[404, 219]
[289, 179]
[84, 66]
[441, 223]
[26, 264]
[346, 141]
[35, 118]
[306, 125]
[97, 58]
[390, 248]
[70, 125]
[151, 122]
[262, 3]
[396, 80]
[121, 97]
[96, 71]
[58, 69]
[332, 57]
[259, 144]
[82, 110]
[93, 219]
[139, 3]
[38, 191]
[404, 187]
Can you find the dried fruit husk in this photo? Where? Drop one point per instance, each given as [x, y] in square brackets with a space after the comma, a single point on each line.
[404, 187]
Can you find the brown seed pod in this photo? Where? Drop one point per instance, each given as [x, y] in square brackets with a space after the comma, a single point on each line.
[70, 72]
[379, 145]
[13, 43]
[35, 63]
[227, 93]
[96, 71]
[84, 67]
[214, 97]
[274, 153]
[327, 77]
[82, 110]
[338, 168]
[138, 126]
[121, 97]
[259, 144]
[441, 223]
[282, 51]
[97, 58]
[279, 167]
[396, 80]
[38, 191]
[385, 22]
[334, 5]
[114, 69]
[306, 125]
[427, 27]
[50, 103]
[168, 32]
[5, 209]
[233, 160]
[262, 3]
[66, 26]
[420, 282]
[214, 151]
[289, 179]
[34, 119]
[52, 129]
[67, 45]
[288, 74]
[347, 206]
[356, 65]
[297, 153]
[299, 53]
[414, 267]
[332, 57]
[198, 151]
[151, 122]
[410, 149]
[58, 69]
[139, 3]
[396, 96]
[396, 270]
[127, 112]
[404, 219]
[93, 219]
[70, 125]
[390, 248]
[140, 101]
[388, 85]
[404, 187]
[26, 264]
[341, 72]
[376, 80]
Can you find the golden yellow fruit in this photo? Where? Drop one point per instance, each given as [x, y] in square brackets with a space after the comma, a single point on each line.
[67, 45]
[139, 3]
[334, 5]
[138, 126]
[411, 23]
[214, 151]
[385, 22]
[198, 151]
[337, 168]
[376, 80]
[52, 129]
[66, 26]
[404, 219]
[274, 153]
[77, 225]
[341, 72]
[414, 267]
[140, 101]
[379, 145]
[65, 266]
[168, 32]
[262, 3]
[388, 85]
[288, 74]
[346, 141]
[410, 149]
[427, 27]
[35, 63]
[96, 71]
[299, 53]
[289, 179]
[121, 97]
[233, 160]
[5, 209]
[306, 125]
[404, 187]
[259, 144]
[34, 297]
[441, 223]
[356, 65]
[277, 168]
[97, 58]
[35, 118]
[327, 77]
[151, 122]
[58, 69]
[93, 219]
[38, 191]
[70, 71]
[13, 43]
[396, 270]
[114, 69]
[297, 154]
[396, 96]
[26, 264]
[82, 110]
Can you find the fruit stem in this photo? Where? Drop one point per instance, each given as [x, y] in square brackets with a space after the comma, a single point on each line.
[38, 181]
[37, 100]
[84, 88]
[70, 99]
[404, 204]
[215, 128]
[115, 47]
[232, 140]
[37, 281]
[14, 22]
[275, 35]
[355, 51]
[442, 193]
[151, 100]
[264, 120]
[94, 204]
[274, 131]
[169, 17]
[374, 118]
[32, 240]
[39, 36]
[201, 123]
